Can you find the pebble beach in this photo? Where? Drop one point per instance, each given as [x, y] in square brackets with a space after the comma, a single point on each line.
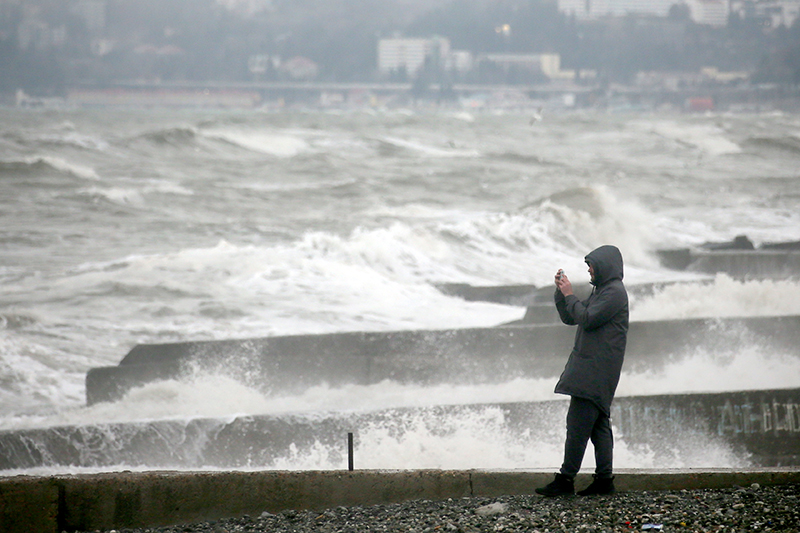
[737, 509]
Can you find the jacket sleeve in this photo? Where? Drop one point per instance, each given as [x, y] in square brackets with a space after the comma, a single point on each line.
[561, 307]
[599, 309]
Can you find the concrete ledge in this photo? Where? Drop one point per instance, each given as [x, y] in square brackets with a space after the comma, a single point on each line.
[28, 504]
[151, 499]
[292, 364]
[760, 427]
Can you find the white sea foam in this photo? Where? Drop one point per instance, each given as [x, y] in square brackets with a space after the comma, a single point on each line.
[465, 116]
[135, 194]
[73, 138]
[483, 440]
[588, 217]
[373, 281]
[77, 170]
[35, 379]
[295, 185]
[471, 439]
[117, 195]
[708, 138]
[274, 144]
[58, 164]
[166, 187]
[429, 150]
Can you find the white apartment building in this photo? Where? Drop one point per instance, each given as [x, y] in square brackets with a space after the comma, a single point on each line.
[775, 13]
[594, 9]
[711, 12]
[409, 54]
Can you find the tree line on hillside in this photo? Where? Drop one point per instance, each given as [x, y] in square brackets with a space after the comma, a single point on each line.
[201, 40]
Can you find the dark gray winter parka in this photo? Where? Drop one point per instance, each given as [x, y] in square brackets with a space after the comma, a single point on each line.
[593, 368]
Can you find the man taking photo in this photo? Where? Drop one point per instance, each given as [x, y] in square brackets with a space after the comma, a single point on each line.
[592, 371]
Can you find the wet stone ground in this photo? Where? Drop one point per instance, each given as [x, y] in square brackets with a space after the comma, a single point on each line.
[740, 509]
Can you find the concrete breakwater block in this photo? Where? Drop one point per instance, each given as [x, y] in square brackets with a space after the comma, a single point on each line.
[739, 258]
[521, 295]
[739, 264]
[538, 301]
[530, 295]
[294, 363]
[290, 364]
[751, 428]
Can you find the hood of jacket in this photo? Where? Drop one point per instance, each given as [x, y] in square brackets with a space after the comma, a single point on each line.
[607, 264]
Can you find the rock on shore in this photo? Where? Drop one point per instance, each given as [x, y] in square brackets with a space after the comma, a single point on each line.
[739, 509]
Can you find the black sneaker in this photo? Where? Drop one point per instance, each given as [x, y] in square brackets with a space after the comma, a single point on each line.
[560, 486]
[600, 486]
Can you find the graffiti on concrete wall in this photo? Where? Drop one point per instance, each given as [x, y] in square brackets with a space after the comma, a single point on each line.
[724, 414]
[758, 417]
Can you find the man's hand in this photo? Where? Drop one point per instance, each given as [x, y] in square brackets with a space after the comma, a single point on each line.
[563, 283]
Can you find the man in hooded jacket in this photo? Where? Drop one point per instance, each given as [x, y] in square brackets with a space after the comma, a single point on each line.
[592, 371]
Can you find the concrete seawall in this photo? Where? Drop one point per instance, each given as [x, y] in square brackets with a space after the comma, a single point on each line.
[738, 260]
[153, 499]
[478, 355]
[753, 428]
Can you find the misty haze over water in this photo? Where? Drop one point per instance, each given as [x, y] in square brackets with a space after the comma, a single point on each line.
[48, 48]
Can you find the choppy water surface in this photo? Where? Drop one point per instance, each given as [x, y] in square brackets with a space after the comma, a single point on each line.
[121, 228]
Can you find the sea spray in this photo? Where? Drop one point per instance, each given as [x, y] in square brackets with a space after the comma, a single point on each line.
[524, 435]
[277, 144]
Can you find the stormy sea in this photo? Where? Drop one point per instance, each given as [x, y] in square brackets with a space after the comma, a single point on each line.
[124, 227]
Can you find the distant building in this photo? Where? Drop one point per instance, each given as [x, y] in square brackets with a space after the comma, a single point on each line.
[459, 61]
[260, 64]
[595, 9]
[675, 81]
[548, 65]
[409, 55]
[710, 12]
[300, 68]
[715, 75]
[768, 13]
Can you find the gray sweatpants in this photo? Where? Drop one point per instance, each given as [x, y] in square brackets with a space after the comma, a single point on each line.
[586, 421]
